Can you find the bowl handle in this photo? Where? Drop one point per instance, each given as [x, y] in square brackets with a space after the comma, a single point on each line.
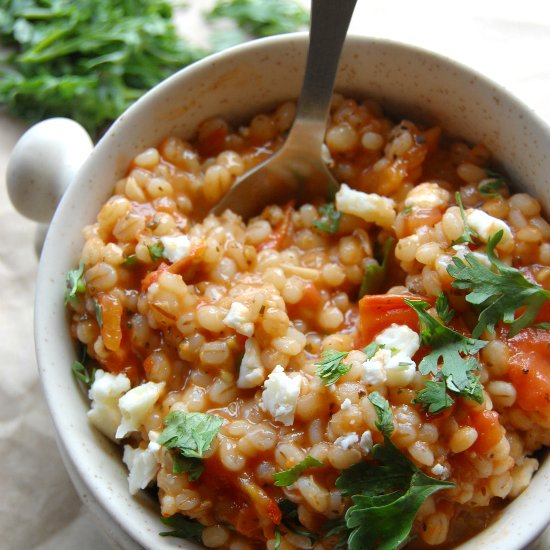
[43, 163]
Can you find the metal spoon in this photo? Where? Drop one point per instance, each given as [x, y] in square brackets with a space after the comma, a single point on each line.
[297, 170]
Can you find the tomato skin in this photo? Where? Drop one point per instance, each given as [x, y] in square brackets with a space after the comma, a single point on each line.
[489, 430]
[529, 369]
[378, 311]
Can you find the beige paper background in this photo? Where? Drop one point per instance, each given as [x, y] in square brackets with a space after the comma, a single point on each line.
[509, 41]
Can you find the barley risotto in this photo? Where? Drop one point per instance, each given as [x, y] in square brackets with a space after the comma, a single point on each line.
[366, 372]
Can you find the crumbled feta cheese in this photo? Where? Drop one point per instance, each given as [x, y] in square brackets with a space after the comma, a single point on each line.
[176, 248]
[486, 225]
[427, 195]
[346, 441]
[367, 206]
[399, 339]
[136, 405]
[374, 371]
[440, 471]
[280, 395]
[153, 446]
[400, 371]
[238, 318]
[366, 443]
[142, 467]
[251, 371]
[104, 393]
[346, 404]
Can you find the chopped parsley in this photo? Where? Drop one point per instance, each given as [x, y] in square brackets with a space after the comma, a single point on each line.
[288, 477]
[75, 283]
[455, 351]
[190, 436]
[277, 544]
[434, 397]
[184, 528]
[156, 251]
[375, 273]
[443, 308]
[330, 368]
[371, 349]
[491, 186]
[499, 292]
[386, 494]
[330, 219]
[131, 260]
[82, 373]
[468, 234]
[98, 314]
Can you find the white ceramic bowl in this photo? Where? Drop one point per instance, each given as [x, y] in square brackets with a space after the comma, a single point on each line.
[236, 84]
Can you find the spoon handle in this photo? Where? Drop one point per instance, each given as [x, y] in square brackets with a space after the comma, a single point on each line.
[329, 25]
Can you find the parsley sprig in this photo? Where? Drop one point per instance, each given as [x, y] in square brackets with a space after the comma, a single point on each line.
[468, 235]
[491, 186]
[330, 219]
[499, 292]
[455, 353]
[183, 528]
[331, 367]
[387, 494]
[75, 283]
[190, 436]
[288, 477]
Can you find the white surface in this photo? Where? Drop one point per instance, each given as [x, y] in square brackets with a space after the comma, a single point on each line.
[508, 41]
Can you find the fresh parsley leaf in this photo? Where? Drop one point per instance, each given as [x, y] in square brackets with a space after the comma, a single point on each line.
[371, 349]
[491, 186]
[81, 373]
[330, 368]
[447, 345]
[375, 273]
[469, 234]
[443, 308]
[130, 261]
[434, 397]
[383, 412]
[156, 251]
[262, 17]
[330, 220]
[277, 544]
[98, 313]
[75, 283]
[184, 528]
[190, 433]
[542, 326]
[288, 477]
[386, 494]
[499, 292]
[193, 467]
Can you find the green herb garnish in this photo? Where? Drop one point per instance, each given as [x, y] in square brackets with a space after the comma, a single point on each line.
[455, 351]
[277, 544]
[491, 186]
[330, 368]
[375, 273]
[75, 283]
[434, 397]
[184, 528]
[82, 373]
[371, 349]
[386, 494]
[190, 433]
[193, 467]
[98, 313]
[443, 308]
[330, 219]
[290, 520]
[469, 234]
[130, 261]
[156, 251]
[288, 477]
[499, 292]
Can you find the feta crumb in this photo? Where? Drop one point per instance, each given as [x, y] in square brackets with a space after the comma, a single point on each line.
[153, 446]
[366, 443]
[486, 225]
[346, 441]
[440, 471]
[374, 371]
[104, 393]
[400, 371]
[136, 405]
[367, 206]
[251, 371]
[427, 195]
[142, 467]
[238, 318]
[346, 404]
[461, 250]
[176, 248]
[280, 395]
[399, 339]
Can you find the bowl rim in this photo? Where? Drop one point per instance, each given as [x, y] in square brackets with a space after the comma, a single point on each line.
[75, 467]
